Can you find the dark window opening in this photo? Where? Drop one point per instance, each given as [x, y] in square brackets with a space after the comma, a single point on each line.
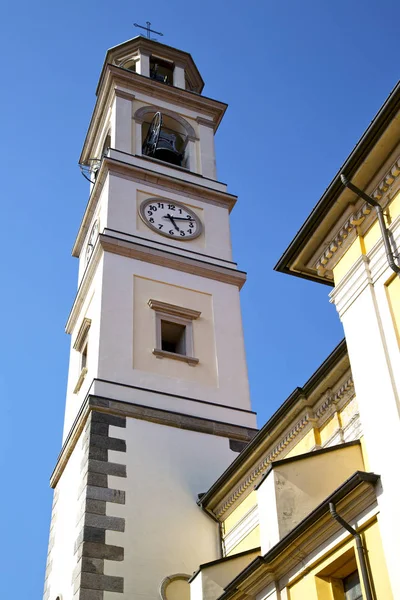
[84, 357]
[352, 587]
[165, 139]
[173, 337]
[161, 70]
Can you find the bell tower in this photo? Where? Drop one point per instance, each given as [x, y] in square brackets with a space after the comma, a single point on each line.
[157, 400]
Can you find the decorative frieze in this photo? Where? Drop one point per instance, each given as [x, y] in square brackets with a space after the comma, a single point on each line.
[310, 418]
[263, 465]
[355, 220]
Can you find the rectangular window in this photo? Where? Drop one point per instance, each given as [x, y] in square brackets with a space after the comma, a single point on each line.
[84, 356]
[173, 337]
[174, 331]
[81, 346]
[352, 587]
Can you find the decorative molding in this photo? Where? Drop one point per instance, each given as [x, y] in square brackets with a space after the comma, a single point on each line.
[241, 529]
[173, 309]
[335, 397]
[91, 549]
[355, 220]
[81, 379]
[172, 260]
[190, 360]
[251, 477]
[171, 578]
[82, 334]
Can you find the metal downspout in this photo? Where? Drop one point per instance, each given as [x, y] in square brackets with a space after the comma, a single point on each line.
[360, 550]
[381, 219]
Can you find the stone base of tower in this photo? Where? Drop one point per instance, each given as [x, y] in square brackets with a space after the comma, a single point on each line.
[126, 485]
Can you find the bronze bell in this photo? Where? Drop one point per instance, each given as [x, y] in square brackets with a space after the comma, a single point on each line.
[161, 144]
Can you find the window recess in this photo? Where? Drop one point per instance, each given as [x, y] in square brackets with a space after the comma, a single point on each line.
[174, 331]
[81, 346]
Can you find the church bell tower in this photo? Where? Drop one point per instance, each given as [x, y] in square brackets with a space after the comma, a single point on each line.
[157, 401]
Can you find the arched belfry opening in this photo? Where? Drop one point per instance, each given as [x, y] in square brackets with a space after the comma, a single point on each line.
[165, 136]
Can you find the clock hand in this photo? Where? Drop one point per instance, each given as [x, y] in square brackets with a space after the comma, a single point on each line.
[173, 222]
[179, 218]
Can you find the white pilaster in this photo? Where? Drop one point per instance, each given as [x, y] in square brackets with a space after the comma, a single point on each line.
[121, 128]
[143, 64]
[362, 305]
[207, 149]
[179, 76]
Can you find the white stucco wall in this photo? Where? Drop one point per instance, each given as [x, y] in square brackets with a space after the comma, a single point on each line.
[165, 531]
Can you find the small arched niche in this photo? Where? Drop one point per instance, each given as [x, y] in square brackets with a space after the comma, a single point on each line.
[129, 64]
[166, 136]
[175, 587]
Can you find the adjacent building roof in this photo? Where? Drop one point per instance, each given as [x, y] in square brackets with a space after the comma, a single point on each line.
[374, 147]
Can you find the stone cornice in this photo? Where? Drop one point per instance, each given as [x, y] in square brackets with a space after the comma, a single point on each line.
[146, 413]
[357, 218]
[116, 76]
[172, 260]
[147, 176]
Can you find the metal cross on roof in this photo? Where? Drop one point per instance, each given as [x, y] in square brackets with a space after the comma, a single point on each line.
[147, 28]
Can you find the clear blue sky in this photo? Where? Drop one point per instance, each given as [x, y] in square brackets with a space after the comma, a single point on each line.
[303, 79]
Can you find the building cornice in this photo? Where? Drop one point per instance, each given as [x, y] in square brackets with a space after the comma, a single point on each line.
[173, 260]
[196, 189]
[295, 416]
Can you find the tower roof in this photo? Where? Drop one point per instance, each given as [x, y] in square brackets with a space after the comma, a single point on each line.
[117, 54]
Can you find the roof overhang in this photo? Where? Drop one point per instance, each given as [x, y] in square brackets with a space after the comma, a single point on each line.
[356, 495]
[333, 368]
[330, 225]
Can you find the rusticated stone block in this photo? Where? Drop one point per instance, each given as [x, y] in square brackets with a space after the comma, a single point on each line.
[111, 443]
[100, 417]
[109, 468]
[105, 522]
[105, 494]
[106, 551]
[99, 428]
[97, 507]
[84, 594]
[97, 453]
[108, 583]
[92, 565]
[97, 479]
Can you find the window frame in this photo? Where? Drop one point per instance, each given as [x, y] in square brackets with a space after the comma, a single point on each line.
[172, 313]
[81, 346]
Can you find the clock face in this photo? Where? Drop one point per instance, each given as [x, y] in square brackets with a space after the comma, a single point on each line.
[171, 219]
